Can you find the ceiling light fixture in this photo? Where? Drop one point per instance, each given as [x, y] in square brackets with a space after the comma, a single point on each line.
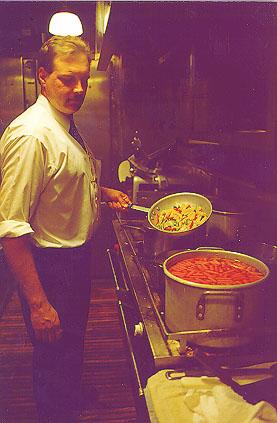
[65, 23]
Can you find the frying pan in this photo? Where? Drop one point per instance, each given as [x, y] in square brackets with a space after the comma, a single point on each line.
[174, 200]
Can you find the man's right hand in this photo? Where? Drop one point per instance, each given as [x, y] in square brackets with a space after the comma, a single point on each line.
[44, 318]
[46, 323]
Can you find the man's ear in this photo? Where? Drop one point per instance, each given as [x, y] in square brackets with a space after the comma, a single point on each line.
[42, 75]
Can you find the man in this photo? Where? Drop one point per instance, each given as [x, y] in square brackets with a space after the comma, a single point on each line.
[49, 207]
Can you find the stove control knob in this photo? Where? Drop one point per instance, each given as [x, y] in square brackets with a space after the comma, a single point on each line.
[139, 329]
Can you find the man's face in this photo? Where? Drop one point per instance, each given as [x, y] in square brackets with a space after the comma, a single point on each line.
[65, 87]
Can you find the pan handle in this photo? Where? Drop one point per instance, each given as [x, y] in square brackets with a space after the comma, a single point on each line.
[139, 208]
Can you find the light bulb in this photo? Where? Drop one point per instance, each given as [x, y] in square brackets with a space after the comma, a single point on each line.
[65, 23]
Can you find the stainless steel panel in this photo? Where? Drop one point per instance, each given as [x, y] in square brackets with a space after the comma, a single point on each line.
[29, 81]
[18, 88]
[10, 90]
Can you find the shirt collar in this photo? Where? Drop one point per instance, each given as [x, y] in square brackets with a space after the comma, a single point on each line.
[62, 118]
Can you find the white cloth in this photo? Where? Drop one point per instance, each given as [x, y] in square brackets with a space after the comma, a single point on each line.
[219, 403]
[201, 400]
[49, 184]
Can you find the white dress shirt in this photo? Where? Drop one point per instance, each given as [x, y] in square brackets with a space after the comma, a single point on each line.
[49, 184]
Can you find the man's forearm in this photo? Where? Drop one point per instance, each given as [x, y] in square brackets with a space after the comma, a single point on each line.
[20, 259]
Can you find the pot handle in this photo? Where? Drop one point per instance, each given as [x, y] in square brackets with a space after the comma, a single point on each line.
[238, 300]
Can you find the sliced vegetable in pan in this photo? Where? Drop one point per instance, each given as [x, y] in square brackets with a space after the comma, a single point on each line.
[182, 217]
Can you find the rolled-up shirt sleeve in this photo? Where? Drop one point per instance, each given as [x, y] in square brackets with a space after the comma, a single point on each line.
[22, 179]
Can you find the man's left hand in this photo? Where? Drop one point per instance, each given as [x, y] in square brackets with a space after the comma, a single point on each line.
[116, 200]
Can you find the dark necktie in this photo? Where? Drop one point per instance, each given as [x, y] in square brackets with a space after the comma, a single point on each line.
[75, 134]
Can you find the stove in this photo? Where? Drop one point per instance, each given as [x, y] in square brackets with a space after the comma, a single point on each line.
[140, 285]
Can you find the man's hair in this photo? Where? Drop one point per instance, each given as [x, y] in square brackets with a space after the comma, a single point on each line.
[61, 45]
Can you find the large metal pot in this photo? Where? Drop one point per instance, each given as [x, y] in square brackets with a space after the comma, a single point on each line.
[193, 306]
[156, 242]
[263, 251]
[229, 221]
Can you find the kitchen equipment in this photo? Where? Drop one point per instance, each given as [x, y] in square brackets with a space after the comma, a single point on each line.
[264, 369]
[195, 306]
[264, 251]
[171, 201]
[152, 243]
[18, 89]
[155, 242]
[152, 346]
[151, 172]
[229, 220]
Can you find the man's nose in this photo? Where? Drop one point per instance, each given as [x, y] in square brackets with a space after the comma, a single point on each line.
[78, 87]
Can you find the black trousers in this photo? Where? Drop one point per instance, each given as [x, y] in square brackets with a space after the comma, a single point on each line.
[57, 367]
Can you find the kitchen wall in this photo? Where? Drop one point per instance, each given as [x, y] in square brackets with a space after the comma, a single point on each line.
[179, 70]
[201, 70]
